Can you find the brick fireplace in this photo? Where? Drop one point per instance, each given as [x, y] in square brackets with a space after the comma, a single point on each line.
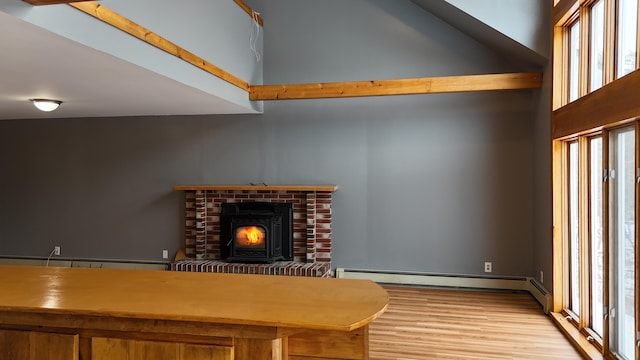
[311, 227]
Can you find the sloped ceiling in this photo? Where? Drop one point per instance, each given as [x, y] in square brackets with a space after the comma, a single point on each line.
[529, 56]
[36, 63]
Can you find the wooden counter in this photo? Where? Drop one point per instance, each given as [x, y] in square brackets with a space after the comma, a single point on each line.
[104, 313]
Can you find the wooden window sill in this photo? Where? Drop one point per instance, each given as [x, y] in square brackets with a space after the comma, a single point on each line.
[578, 340]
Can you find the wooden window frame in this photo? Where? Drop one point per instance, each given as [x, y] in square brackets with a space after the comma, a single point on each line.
[561, 245]
[580, 10]
[595, 113]
[581, 322]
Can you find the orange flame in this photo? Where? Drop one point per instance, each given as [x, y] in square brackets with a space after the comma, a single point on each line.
[250, 236]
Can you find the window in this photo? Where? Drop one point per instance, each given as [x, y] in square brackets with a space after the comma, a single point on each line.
[596, 45]
[600, 239]
[622, 228]
[627, 30]
[574, 229]
[596, 175]
[596, 244]
[574, 61]
[608, 29]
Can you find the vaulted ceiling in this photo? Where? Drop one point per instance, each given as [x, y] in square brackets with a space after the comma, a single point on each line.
[37, 63]
[527, 52]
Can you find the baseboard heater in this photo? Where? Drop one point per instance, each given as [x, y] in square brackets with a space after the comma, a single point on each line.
[85, 263]
[529, 284]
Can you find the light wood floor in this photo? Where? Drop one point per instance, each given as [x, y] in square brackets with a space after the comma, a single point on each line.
[426, 323]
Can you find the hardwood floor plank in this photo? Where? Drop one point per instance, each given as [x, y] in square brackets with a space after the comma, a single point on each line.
[426, 323]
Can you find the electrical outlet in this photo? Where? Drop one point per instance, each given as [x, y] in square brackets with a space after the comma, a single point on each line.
[56, 250]
[165, 254]
[488, 266]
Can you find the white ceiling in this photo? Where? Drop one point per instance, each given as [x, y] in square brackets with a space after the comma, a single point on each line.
[35, 63]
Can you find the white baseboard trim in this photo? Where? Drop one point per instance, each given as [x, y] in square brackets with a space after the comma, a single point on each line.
[542, 295]
[85, 263]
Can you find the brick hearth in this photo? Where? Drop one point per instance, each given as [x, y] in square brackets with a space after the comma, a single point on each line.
[290, 268]
[311, 228]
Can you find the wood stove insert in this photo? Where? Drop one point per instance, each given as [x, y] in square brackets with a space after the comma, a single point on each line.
[256, 232]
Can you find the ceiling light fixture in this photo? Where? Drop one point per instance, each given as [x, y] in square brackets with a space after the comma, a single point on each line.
[45, 104]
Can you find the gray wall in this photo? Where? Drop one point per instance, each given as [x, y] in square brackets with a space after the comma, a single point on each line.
[543, 228]
[437, 183]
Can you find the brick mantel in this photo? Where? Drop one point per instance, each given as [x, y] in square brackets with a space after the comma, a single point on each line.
[311, 222]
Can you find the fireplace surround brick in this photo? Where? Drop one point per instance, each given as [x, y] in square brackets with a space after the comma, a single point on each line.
[311, 228]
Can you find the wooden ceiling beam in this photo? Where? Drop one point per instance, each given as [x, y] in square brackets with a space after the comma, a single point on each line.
[434, 85]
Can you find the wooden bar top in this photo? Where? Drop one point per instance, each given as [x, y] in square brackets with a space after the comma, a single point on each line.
[236, 299]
